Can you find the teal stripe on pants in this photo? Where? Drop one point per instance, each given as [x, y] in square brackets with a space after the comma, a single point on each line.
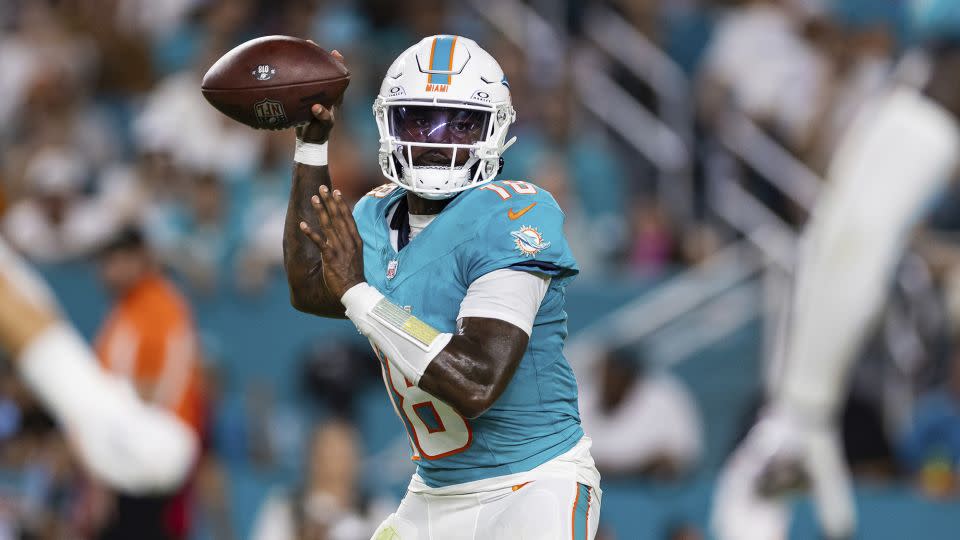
[580, 512]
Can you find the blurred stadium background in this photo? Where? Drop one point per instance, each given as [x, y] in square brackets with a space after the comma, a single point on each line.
[686, 140]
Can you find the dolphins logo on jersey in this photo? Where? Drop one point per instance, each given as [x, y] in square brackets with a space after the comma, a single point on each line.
[529, 241]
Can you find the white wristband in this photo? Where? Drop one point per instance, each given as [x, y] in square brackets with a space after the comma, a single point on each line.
[407, 342]
[360, 299]
[310, 154]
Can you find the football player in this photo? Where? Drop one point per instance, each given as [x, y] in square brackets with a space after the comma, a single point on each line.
[133, 447]
[458, 282]
[900, 152]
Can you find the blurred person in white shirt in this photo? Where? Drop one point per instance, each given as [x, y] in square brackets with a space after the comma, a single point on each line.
[759, 58]
[177, 119]
[640, 423]
[56, 221]
[327, 506]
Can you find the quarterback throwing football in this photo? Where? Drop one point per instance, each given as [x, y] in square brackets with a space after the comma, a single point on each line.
[458, 281]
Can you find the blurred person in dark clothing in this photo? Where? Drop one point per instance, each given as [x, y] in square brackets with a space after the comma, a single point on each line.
[333, 370]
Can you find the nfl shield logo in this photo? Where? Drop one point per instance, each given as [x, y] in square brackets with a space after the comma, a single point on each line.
[392, 268]
[269, 112]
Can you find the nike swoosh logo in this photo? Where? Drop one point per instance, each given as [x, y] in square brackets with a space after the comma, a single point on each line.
[515, 215]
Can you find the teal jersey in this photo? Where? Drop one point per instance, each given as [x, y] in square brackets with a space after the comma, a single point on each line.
[504, 224]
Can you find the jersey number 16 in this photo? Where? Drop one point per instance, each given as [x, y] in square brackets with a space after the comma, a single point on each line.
[436, 430]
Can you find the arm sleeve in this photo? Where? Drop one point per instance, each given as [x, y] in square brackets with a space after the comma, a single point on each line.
[509, 295]
[28, 282]
[894, 159]
[133, 447]
[534, 242]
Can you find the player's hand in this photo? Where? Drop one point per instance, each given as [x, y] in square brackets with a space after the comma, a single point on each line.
[778, 457]
[21, 320]
[318, 130]
[341, 248]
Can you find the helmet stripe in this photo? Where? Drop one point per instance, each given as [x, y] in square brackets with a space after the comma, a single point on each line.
[441, 58]
[433, 49]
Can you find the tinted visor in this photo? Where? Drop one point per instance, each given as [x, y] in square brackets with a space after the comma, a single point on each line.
[447, 125]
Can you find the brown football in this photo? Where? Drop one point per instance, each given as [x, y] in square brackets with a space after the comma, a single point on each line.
[272, 81]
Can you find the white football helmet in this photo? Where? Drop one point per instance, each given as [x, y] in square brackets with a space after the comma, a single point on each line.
[444, 92]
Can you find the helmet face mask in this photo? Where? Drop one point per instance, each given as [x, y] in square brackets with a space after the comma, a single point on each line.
[437, 140]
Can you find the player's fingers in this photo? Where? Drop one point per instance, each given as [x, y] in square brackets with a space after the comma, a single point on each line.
[324, 115]
[323, 218]
[336, 54]
[314, 236]
[328, 218]
[340, 220]
[321, 113]
[349, 222]
[344, 219]
[323, 239]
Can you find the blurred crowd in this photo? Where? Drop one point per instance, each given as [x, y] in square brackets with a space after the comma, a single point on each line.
[103, 126]
[104, 134]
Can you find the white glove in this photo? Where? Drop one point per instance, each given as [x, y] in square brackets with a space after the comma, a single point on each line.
[780, 453]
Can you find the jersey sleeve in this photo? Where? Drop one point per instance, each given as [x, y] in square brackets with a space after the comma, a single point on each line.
[362, 209]
[507, 295]
[527, 235]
